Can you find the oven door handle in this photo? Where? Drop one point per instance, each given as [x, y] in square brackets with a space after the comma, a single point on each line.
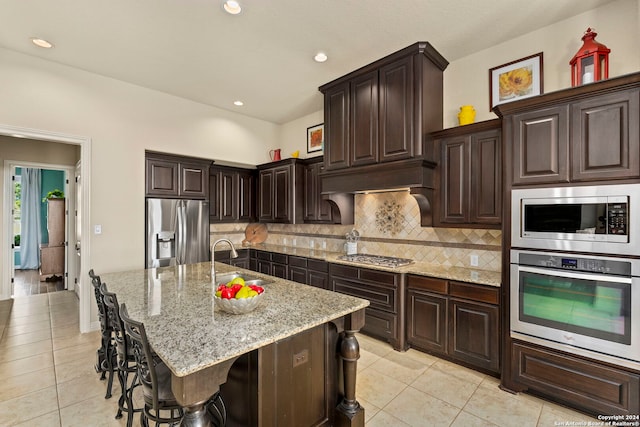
[575, 275]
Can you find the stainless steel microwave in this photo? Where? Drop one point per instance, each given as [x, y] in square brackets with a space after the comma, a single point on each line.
[597, 219]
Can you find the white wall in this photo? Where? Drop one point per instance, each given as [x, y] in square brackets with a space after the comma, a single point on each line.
[466, 81]
[617, 25]
[122, 121]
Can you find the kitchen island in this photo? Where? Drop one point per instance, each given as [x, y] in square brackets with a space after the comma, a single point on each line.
[296, 332]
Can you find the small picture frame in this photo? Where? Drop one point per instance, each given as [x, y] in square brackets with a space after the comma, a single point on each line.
[515, 80]
[315, 138]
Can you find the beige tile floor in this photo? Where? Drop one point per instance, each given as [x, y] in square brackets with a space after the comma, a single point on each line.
[47, 379]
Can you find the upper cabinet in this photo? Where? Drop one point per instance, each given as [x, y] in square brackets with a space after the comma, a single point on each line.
[231, 194]
[281, 192]
[470, 175]
[582, 134]
[176, 176]
[316, 209]
[384, 111]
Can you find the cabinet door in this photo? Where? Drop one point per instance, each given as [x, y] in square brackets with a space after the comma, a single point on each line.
[396, 110]
[229, 196]
[266, 205]
[336, 127]
[541, 146]
[246, 197]
[454, 180]
[214, 196]
[486, 178]
[605, 137]
[427, 321]
[193, 180]
[473, 332]
[298, 274]
[279, 270]
[162, 178]
[282, 194]
[318, 279]
[364, 119]
[311, 193]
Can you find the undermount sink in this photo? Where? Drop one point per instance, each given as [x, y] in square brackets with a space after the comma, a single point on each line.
[248, 279]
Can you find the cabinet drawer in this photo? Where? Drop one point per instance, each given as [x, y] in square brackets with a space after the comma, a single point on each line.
[490, 295]
[317, 265]
[279, 258]
[297, 261]
[589, 386]
[428, 284]
[380, 296]
[265, 256]
[344, 271]
[379, 276]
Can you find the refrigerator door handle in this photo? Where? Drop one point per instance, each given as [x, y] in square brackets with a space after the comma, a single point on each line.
[183, 232]
[179, 234]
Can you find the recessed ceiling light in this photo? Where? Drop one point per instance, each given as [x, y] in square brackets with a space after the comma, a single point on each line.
[41, 43]
[238, 103]
[232, 7]
[320, 57]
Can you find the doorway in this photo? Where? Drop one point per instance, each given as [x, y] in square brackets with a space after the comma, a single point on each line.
[83, 285]
[42, 229]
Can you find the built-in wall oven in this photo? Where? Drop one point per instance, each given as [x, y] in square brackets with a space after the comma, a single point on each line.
[575, 270]
[588, 305]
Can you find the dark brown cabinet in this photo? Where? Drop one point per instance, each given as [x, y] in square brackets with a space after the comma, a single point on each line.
[470, 171]
[280, 192]
[385, 292]
[316, 209]
[271, 263]
[575, 135]
[231, 194]
[309, 271]
[384, 111]
[241, 261]
[176, 176]
[454, 319]
[583, 384]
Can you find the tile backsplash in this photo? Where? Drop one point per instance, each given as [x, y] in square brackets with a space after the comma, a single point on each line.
[389, 224]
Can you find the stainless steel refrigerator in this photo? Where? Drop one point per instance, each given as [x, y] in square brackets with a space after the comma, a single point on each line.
[177, 232]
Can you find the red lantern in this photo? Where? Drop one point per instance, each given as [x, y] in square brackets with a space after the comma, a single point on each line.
[591, 63]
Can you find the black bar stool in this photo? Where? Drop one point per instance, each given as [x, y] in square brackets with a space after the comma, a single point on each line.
[106, 354]
[154, 376]
[126, 362]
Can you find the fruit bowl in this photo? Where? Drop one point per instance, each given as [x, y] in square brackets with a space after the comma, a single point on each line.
[238, 305]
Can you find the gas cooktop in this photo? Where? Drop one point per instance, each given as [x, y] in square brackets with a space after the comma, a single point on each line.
[383, 261]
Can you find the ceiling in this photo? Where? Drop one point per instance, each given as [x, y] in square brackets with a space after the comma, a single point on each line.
[263, 56]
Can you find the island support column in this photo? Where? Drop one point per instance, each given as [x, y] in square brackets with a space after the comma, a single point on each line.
[349, 413]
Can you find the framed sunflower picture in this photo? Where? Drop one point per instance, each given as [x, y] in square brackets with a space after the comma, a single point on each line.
[515, 80]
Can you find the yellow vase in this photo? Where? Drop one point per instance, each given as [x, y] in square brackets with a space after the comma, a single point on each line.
[466, 115]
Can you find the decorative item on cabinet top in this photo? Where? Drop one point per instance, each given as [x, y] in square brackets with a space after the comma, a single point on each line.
[466, 115]
[515, 80]
[315, 138]
[591, 62]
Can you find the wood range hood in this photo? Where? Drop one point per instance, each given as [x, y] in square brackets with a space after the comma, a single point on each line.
[414, 175]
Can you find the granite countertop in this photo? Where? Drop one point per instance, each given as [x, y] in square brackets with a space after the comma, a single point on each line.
[190, 333]
[469, 275]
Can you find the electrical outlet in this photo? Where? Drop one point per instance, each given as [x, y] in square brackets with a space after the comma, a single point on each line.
[97, 229]
[474, 260]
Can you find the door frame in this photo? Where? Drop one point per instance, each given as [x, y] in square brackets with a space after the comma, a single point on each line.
[85, 244]
[70, 205]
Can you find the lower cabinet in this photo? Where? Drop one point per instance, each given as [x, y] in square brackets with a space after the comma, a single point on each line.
[309, 271]
[580, 383]
[271, 263]
[241, 261]
[454, 319]
[292, 382]
[385, 292]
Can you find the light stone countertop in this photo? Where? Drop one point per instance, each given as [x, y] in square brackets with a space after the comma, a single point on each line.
[190, 333]
[461, 274]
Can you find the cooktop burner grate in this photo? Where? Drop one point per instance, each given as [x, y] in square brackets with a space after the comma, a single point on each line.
[383, 261]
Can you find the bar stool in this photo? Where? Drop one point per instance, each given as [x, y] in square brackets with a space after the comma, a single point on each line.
[154, 376]
[126, 362]
[106, 354]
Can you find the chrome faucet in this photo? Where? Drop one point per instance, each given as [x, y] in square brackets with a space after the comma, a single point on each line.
[234, 254]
